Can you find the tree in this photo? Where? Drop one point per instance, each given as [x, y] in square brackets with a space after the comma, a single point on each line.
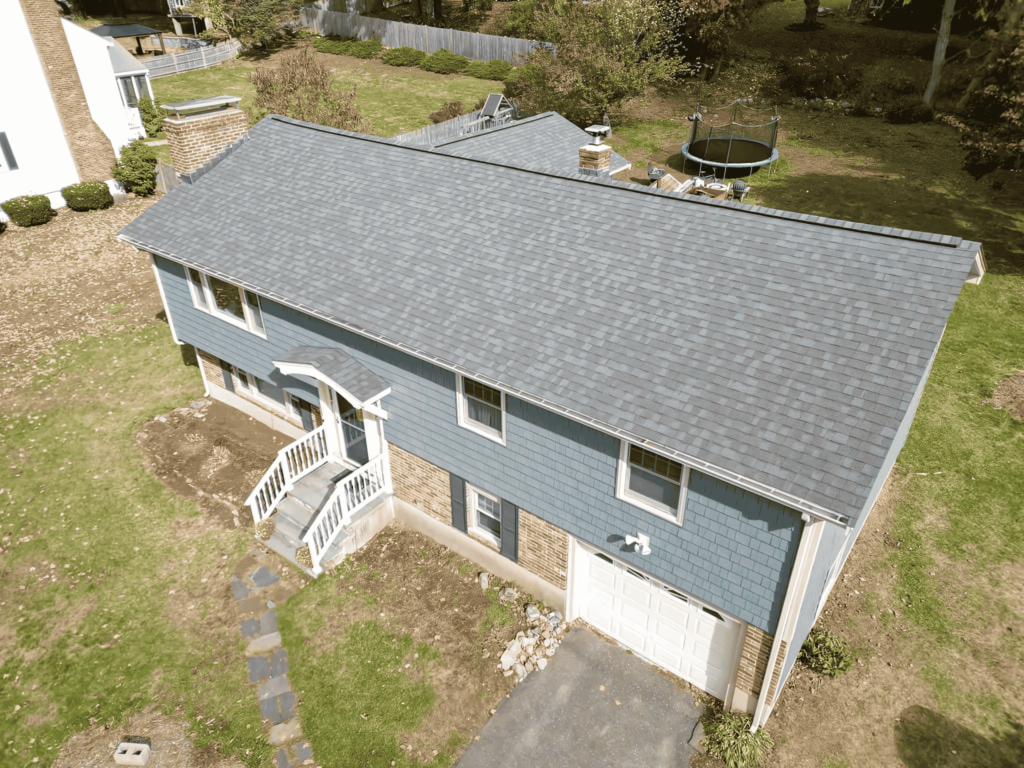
[1009, 15]
[710, 23]
[250, 21]
[810, 14]
[300, 87]
[606, 53]
[939, 59]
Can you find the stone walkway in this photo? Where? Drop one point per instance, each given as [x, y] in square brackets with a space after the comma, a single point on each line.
[258, 590]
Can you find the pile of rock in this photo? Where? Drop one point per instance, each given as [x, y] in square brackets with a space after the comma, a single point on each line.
[531, 649]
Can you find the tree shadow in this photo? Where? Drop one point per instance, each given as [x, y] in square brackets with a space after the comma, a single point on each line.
[926, 739]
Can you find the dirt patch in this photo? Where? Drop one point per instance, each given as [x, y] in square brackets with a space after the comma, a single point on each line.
[210, 453]
[1009, 395]
[167, 736]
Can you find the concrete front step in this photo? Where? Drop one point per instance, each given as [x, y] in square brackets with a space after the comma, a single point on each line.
[314, 489]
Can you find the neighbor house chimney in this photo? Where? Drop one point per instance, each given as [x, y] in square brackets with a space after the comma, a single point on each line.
[90, 148]
[197, 130]
[596, 157]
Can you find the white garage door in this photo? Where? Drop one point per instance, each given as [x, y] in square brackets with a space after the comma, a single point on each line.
[663, 624]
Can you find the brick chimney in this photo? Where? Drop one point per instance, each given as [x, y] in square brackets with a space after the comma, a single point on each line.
[90, 148]
[197, 130]
[596, 157]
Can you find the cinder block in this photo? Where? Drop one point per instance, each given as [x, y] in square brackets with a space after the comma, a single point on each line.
[131, 753]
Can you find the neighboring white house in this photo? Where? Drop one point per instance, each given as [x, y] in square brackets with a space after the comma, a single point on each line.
[68, 103]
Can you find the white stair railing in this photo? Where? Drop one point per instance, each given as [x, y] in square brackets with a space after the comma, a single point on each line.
[293, 461]
[351, 494]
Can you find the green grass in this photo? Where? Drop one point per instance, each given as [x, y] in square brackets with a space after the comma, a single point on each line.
[498, 614]
[119, 627]
[357, 696]
[650, 136]
[394, 99]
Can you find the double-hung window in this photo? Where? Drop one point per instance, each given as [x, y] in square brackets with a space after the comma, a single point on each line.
[133, 88]
[481, 408]
[484, 518]
[652, 482]
[227, 301]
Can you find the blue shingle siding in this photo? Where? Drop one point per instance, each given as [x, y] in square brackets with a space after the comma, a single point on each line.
[734, 549]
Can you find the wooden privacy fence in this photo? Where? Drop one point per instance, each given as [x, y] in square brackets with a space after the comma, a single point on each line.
[394, 34]
[160, 66]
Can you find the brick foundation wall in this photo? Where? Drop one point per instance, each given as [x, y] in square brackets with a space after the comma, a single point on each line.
[757, 647]
[421, 484]
[543, 549]
[90, 148]
[194, 141]
[215, 376]
[211, 368]
[777, 672]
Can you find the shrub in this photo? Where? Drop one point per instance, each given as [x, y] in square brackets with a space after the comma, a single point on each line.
[403, 57]
[495, 69]
[521, 21]
[820, 75]
[447, 112]
[152, 116]
[486, 5]
[727, 735]
[30, 210]
[88, 196]
[444, 62]
[826, 654]
[349, 46]
[137, 168]
[303, 557]
[265, 529]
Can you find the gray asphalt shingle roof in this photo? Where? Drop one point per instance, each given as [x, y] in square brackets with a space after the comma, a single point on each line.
[778, 347]
[353, 376]
[546, 141]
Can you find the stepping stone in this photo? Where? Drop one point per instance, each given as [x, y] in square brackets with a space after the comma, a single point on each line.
[286, 701]
[279, 663]
[285, 732]
[263, 644]
[245, 566]
[239, 588]
[304, 751]
[250, 628]
[262, 577]
[282, 759]
[270, 709]
[259, 668]
[268, 622]
[251, 605]
[274, 687]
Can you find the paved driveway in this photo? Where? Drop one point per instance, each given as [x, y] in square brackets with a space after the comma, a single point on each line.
[560, 717]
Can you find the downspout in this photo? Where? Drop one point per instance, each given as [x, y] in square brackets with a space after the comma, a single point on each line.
[794, 597]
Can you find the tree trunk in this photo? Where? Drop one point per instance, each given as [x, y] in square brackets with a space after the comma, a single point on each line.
[417, 9]
[939, 60]
[438, 10]
[1013, 14]
[810, 13]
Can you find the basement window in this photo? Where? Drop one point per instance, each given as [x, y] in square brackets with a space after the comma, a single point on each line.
[227, 301]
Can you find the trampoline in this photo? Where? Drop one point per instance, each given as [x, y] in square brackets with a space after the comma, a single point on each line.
[739, 147]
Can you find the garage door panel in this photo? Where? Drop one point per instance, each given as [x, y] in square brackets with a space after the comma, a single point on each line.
[660, 623]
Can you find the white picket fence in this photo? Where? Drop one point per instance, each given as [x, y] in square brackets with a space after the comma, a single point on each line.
[161, 66]
[394, 34]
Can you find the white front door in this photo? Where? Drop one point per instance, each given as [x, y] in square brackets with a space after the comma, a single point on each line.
[666, 626]
[351, 430]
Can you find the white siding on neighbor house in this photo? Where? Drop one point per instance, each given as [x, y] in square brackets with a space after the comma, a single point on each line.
[92, 60]
[28, 115]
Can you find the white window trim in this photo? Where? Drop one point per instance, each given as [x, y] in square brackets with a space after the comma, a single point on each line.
[472, 516]
[622, 486]
[472, 426]
[211, 307]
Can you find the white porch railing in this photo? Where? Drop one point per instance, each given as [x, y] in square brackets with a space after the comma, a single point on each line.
[293, 461]
[351, 494]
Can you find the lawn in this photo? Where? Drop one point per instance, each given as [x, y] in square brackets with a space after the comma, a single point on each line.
[393, 99]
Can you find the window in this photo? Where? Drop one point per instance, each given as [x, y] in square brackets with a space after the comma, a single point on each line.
[652, 482]
[485, 515]
[244, 380]
[481, 409]
[227, 301]
[133, 88]
[7, 161]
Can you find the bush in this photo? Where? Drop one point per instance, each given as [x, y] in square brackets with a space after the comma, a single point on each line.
[349, 46]
[152, 116]
[727, 735]
[450, 110]
[826, 654]
[521, 21]
[30, 210]
[495, 69]
[88, 196]
[303, 557]
[265, 529]
[403, 57]
[137, 168]
[820, 75]
[486, 5]
[444, 62]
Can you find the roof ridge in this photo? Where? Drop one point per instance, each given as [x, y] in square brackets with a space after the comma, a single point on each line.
[496, 128]
[947, 241]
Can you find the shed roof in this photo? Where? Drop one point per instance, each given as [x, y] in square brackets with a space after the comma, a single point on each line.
[122, 61]
[780, 351]
[125, 30]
